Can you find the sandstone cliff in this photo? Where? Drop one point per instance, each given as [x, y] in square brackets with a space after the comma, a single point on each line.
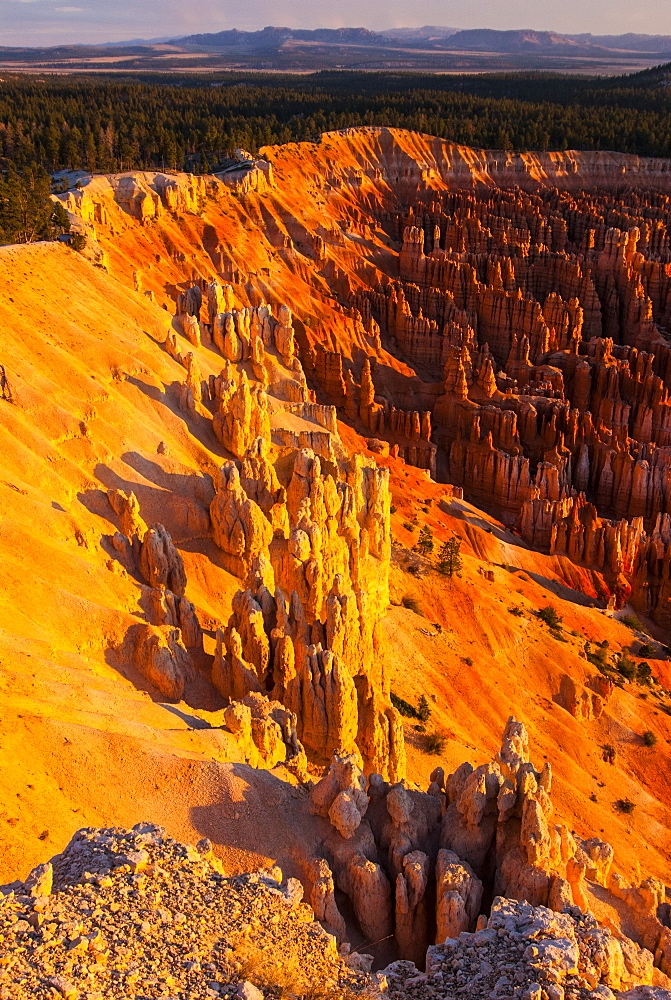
[501, 317]
[210, 516]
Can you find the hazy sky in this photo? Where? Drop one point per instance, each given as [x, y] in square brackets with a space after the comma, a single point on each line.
[37, 22]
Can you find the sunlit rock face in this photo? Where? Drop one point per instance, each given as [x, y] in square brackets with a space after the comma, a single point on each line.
[230, 416]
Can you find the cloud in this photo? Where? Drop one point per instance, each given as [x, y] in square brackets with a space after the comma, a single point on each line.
[69, 10]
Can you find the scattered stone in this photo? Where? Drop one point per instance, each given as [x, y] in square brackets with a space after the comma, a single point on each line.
[135, 915]
[247, 991]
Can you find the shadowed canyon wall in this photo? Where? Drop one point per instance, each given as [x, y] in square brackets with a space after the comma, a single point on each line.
[499, 320]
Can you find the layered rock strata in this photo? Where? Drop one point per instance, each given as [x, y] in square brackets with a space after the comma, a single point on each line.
[546, 313]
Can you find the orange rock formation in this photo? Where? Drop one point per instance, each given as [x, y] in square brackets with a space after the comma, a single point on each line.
[228, 417]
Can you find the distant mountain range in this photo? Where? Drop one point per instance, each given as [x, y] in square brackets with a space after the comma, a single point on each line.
[488, 40]
[630, 42]
[275, 37]
[428, 49]
[432, 36]
[430, 32]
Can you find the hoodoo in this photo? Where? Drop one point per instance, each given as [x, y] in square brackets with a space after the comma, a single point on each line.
[318, 475]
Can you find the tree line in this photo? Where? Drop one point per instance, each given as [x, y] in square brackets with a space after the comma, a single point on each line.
[195, 123]
[105, 125]
[26, 211]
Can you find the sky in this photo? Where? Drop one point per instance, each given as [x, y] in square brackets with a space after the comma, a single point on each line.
[55, 22]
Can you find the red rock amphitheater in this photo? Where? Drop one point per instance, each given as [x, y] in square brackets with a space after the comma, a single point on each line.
[230, 418]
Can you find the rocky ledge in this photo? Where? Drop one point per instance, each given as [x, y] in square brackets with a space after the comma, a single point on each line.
[521, 951]
[135, 915]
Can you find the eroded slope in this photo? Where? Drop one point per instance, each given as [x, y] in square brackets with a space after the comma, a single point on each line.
[270, 579]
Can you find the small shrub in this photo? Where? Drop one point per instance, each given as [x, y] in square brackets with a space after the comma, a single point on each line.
[600, 659]
[423, 709]
[649, 738]
[593, 797]
[645, 649]
[412, 604]
[643, 673]
[414, 569]
[515, 610]
[625, 805]
[551, 617]
[78, 242]
[392, 509]
[632, 622]
[626, 668]
[285, 977]
[467, 660]
[434, 743]
[408, 526]
[419, 729]
[422, 713]
[404, 707]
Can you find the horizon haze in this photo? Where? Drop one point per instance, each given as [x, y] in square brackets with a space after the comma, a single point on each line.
[45, 22]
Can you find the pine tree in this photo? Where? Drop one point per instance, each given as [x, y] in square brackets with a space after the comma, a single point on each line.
[425, 541]
[449, 557]
[423, 709]
[60, 220]
[26, 210]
